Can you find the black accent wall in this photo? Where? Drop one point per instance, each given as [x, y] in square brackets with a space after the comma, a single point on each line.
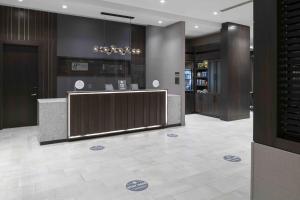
[76, 36]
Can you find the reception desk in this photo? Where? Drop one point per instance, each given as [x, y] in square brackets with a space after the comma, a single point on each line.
[88, 114]
[101, 113]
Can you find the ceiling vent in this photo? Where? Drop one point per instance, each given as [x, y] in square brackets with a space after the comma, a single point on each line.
[117, 15]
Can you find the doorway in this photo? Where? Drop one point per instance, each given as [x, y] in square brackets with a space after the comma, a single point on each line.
[20, 85]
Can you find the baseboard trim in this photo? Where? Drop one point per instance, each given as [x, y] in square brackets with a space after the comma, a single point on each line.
[107, 135]
[235, 118]
[173, 125]
[53, 142]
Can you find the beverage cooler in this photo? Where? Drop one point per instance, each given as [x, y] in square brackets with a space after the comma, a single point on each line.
[188, 74]
[189, 88]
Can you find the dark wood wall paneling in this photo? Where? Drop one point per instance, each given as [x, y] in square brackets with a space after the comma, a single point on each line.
[96, 113]
[265, 77]
[204, 40]
[208, 104]
[235, 72]
[208, 46]
[189, 53]
[207, 52]
[29, 27]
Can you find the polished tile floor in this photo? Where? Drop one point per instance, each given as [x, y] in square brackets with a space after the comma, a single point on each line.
[187, 167]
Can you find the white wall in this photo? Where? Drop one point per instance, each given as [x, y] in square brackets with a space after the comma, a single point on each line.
[275, 174]
[165, 55]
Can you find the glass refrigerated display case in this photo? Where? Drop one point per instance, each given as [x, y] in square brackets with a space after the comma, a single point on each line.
[188, 74]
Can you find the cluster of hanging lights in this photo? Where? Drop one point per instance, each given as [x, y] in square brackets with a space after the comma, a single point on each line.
[117, 50]
[112, 49]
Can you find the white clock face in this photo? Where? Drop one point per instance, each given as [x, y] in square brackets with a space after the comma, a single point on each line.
[155, 83]
[79, 85]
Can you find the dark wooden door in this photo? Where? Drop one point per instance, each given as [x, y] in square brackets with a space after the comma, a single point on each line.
[20, 86]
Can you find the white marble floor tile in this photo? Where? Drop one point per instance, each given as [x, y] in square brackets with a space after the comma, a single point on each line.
[188, 167]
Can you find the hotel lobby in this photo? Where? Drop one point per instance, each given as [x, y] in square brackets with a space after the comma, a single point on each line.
[152, 99]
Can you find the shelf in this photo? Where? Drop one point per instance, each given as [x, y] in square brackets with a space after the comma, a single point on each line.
[202, 69]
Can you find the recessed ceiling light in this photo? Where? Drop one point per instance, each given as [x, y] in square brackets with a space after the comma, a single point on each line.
[215, 13]
[64, 6]
[20, 0]
[160, 22]
[162, 1]
[196, 26]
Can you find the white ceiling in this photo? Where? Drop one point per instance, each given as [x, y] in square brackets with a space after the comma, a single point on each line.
[149, 12]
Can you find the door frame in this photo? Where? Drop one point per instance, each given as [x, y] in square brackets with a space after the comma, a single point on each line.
[40, 48]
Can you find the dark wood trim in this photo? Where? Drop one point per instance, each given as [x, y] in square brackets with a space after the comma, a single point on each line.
[21, 42]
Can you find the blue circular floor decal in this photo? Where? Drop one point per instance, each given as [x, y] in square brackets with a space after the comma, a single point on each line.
[97, 148]
[172, 135]
[137, 185]
[232, 158]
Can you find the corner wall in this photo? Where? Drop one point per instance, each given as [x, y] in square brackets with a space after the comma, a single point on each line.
[165, 55]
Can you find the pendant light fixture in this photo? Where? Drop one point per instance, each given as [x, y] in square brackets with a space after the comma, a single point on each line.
[112, 49]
